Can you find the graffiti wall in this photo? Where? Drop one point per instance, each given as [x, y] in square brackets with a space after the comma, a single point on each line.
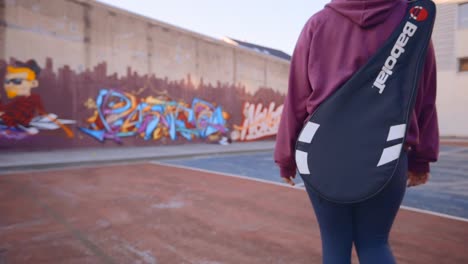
[83, 74]
[42, 109]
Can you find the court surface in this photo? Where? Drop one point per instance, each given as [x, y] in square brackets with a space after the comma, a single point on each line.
[446, 192]
[161, 212]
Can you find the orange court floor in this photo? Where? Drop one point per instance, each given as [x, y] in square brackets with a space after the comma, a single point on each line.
[154, 213]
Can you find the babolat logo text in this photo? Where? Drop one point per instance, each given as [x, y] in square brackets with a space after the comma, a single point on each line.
[387, 70]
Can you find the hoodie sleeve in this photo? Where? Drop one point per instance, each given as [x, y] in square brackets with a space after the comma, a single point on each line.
[427, 150]
[294, 111]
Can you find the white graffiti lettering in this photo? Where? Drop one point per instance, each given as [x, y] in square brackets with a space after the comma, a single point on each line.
[259, 122]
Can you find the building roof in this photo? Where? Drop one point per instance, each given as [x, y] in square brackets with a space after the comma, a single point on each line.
[258, 48]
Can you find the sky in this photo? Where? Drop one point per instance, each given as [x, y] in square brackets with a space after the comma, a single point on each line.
[272, 23]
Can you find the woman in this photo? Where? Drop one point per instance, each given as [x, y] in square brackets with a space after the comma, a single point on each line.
[333, 45]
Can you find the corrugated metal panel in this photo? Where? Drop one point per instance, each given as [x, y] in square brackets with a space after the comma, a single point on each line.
[444, 36]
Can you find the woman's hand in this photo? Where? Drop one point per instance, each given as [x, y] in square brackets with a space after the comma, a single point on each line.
[415, 179]
[289, 180]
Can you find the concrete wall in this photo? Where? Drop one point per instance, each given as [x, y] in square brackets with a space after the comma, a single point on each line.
[451, 43]
[115, 77]
[86, 48]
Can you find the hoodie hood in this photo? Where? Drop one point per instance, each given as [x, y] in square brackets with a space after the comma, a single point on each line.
[364, 13]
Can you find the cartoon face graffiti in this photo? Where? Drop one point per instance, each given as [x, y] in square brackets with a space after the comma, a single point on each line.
[19, 81]
[24, 114]
[23, 106]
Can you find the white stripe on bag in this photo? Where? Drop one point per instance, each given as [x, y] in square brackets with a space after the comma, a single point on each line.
[390, 154]
[301, 162]
[396, 132]
[308, 132]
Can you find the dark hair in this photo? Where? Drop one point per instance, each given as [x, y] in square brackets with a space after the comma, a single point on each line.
[30, 64]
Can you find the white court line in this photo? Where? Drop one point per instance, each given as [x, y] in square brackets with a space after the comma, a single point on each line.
[299, 186]
[223, 174]
[434, 213]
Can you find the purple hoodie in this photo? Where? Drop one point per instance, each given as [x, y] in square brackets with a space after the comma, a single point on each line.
[333, 45]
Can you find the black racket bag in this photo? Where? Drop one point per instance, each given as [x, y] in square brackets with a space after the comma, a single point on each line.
[351, 146]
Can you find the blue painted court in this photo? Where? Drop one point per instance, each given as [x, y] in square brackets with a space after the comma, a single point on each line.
[446, 192]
